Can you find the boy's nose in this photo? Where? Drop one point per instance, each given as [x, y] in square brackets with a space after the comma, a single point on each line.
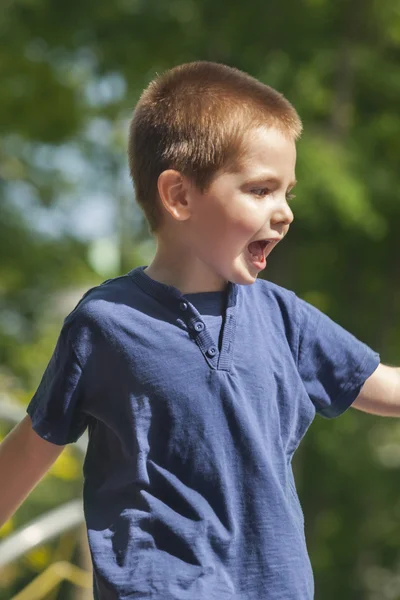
[283, 214]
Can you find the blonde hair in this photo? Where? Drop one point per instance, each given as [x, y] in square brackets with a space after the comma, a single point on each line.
[193, 118]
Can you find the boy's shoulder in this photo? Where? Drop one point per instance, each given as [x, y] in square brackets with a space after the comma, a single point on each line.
[101, 301]
[280, 307]
[274, 292]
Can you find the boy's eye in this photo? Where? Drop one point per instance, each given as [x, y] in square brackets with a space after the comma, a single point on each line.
[260, 191]
[264, 191]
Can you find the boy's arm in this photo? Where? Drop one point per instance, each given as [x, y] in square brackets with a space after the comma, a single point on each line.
[25, 458]
[380, 394]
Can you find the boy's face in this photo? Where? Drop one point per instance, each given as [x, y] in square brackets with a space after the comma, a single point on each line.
[207, 246]
[247, 205]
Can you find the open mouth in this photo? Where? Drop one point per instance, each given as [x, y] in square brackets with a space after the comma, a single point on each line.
[257, 249]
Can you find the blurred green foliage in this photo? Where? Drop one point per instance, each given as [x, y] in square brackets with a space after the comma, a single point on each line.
[71, 74]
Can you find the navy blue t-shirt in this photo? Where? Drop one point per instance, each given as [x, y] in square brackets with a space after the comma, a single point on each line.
[195, 405]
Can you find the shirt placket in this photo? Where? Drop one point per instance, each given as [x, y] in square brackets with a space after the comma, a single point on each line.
[200, 333]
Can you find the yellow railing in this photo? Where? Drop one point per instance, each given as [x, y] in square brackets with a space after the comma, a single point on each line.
[52, 577]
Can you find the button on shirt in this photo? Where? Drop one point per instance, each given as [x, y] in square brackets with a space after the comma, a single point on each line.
[195, 405]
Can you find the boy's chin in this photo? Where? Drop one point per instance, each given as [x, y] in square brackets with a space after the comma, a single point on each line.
[247, 274]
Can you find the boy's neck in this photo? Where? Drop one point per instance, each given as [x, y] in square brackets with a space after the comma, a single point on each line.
[176, 264]
[185, 283]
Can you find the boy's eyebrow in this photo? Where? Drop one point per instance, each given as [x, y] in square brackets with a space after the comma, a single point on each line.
[264, 177]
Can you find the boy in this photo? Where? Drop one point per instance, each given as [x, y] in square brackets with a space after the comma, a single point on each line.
[196, 380]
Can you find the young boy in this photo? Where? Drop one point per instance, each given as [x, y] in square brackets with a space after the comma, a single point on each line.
[196, 380]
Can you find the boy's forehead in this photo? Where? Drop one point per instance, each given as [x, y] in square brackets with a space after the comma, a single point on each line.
[266, 152]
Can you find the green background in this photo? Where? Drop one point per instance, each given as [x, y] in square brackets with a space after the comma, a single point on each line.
[71, 73]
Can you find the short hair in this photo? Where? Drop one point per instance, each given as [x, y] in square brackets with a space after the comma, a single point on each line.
[193, 118]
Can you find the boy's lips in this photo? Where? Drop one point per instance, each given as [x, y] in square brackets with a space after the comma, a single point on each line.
[272, 240]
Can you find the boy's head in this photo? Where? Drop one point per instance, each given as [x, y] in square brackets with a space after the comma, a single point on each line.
[204, 125]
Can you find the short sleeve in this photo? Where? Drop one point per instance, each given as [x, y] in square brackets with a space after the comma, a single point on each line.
[333, 364]
[57, 407]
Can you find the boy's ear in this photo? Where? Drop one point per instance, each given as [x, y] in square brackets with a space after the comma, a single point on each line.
[173, 190]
